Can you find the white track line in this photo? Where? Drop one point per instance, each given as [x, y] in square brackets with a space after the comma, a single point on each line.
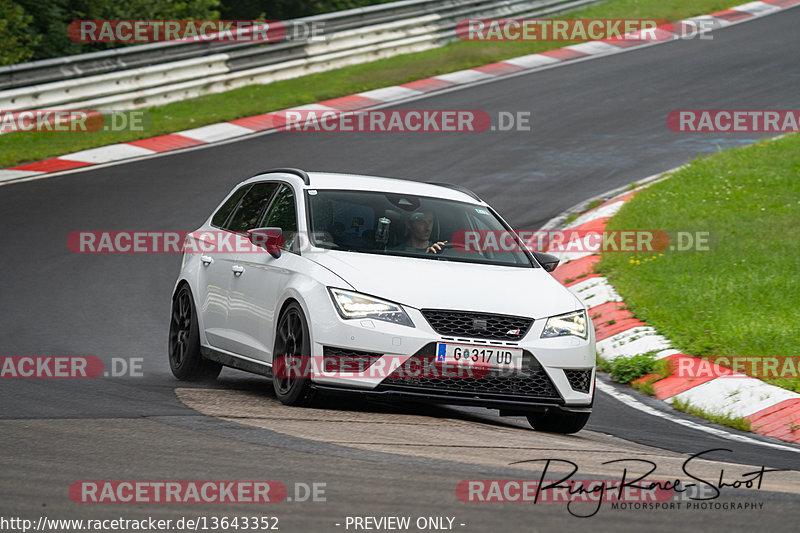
[630, 401]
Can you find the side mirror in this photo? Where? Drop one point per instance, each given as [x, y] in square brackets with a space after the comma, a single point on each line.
[549, 262]
[271, 239]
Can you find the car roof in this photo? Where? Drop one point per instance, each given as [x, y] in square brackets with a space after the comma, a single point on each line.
[330, 180]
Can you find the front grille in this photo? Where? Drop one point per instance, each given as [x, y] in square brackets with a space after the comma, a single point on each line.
[477, 325]
[579, 380]
[531, 382]
[340, 360]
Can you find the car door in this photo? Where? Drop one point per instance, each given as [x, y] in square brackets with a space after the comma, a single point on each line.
[219, 267]
[214, 270]
[254, 293]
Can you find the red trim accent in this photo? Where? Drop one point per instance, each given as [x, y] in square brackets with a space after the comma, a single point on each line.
[732, 15]
[665, 32]
[646, 378]
[573, 269]
[428, 85]
[499, 68]
[623, 319]
[563, 54]
[776, 421]
[688, 373]
[348, 103]
[623, 43]
[51, 165]
[624, 198]
[598, 224]
[263, 122]
[166, 143]
[782, 3]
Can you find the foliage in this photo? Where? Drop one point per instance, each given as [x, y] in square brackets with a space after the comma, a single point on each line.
[18, 38]
[625, 370]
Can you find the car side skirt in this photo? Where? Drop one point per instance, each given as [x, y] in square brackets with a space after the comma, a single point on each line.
[239, 363]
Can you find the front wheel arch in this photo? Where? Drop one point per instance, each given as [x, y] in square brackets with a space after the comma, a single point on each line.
[292, 324]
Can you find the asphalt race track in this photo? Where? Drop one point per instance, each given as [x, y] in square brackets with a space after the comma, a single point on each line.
[597, 125]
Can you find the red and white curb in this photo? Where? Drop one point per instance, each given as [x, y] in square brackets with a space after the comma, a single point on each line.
[224, 131]
[771, 410]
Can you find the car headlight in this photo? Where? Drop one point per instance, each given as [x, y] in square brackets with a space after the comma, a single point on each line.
[354, 305]
[574, 323]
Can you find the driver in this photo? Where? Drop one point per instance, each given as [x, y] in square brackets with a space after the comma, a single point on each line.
[420, 226]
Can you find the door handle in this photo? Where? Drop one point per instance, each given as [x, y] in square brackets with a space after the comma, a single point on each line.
[237, 270]
[206, 260]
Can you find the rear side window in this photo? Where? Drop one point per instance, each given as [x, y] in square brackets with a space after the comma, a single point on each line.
[252, 207]
[222, 214]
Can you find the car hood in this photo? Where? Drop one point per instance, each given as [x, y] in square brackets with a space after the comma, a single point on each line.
[426, 283]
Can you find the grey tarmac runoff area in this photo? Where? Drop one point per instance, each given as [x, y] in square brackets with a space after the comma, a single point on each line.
[597, 125]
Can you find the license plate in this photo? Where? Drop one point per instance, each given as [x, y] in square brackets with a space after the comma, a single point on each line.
[473, 355]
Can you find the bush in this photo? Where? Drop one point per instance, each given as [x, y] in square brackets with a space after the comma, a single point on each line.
[19, 39]
[625, 370]
[48, 21]
[37, 29]
[287, 9]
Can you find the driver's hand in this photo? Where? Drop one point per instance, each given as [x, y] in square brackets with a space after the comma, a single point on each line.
[436, 247]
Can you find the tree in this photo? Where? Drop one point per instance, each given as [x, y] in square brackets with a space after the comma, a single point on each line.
[17, 38]
[51, 18]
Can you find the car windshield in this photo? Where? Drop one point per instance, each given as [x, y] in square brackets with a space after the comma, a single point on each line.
[408, 225]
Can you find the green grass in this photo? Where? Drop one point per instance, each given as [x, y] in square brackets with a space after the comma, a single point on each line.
[725, 420]
[627, 369]
[646, 387]
[739, 298]
[18, 148]
[792, 384]
[571, 218]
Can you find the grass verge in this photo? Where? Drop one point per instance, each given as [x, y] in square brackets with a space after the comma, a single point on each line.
[640, 371]
[726, 420]
[734, 300]
[627, 369]
[18, 148]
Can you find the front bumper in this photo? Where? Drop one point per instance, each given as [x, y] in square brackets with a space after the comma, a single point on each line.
[556, 371]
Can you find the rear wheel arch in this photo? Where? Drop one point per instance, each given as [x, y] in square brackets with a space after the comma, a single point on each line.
[183, 282]
[179, 286]
[184, 348]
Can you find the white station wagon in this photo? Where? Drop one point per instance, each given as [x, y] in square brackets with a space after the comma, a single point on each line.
[359, 284]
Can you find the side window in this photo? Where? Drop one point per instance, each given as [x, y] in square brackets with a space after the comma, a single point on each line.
[282, 214]
[219, 218]
[252, 207]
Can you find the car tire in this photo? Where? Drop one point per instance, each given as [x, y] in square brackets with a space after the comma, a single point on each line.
[557, 421]
[292, 345]
[185, 360]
